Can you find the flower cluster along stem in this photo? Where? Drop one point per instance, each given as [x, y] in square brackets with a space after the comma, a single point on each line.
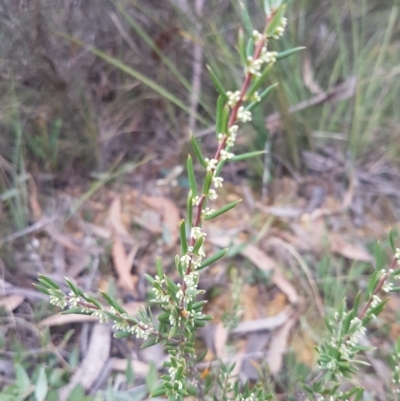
[222, 144]
[378, 287]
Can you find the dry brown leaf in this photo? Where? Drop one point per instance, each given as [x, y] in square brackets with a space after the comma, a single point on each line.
[220, 339]
[268, 323]
[122, 265]
[63, 239]
[279, 346]
[139, 368]
[94, 361]
[355, 252]
[114, 219]
[11, 302]
[263, 262]
[170, 215]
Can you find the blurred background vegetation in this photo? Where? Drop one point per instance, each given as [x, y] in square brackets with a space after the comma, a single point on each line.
[89, 89]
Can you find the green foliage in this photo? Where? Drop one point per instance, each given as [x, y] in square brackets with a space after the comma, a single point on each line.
[180, 304]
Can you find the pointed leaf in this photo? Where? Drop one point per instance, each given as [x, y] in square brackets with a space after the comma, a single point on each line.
[197, 151]
[191, 176]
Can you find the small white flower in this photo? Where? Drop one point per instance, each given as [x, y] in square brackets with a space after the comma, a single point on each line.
[217, 181]
[268, 57]
[221, 137]
[280, 29]
[201, 252]
[257, 36]
[61, 302]
[255, 97]
[226, 155]
[186, 259]
[207, 211]
[123, 326]
[233, 98]
[197, 233]
[191, 280]
[99, 314]
[211, 163]
[387, 287]
[254, 66]
[140, 330]
[73, 300]
[243, 115]
[212, 194]
[196, 201]
[375, 301]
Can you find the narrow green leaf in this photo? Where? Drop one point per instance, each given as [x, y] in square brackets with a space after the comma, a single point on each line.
[213, 259]
[223, 210]
[191, 176]
[149, 342]
[248, 26]
[221, 164]
[201, 356]
[122, 334]
[112, 302]
[189, 209]
[129, 373]
[275, 20]
[41, 386]
[391, 240]
[73, 287]
[182, 233]
[74, 311]
[288, 53]
[267, 7]
[160, 271]
[379, 257]
[259, 81]
[245, 156]
[219, 116]
[197, 151]
[199, 242]
[172, 332]
[179, 266]
[92, 300]
[149, 278]
[199, 305]
[217, 83]
[41, 288]
[263, 95]
[158, 392]
[22, 377]
[207, 183]
[48, 282]
[242, 46]
[163, 317]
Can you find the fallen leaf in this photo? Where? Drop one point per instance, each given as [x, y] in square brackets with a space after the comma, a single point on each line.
[220, 339]
[122, 265]
[114, 219]
[268, 323]
[139, 368]
[350, 251]
[279, 345]
[170, 216]
[11, 302]
[93, 363]
[263, 262]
